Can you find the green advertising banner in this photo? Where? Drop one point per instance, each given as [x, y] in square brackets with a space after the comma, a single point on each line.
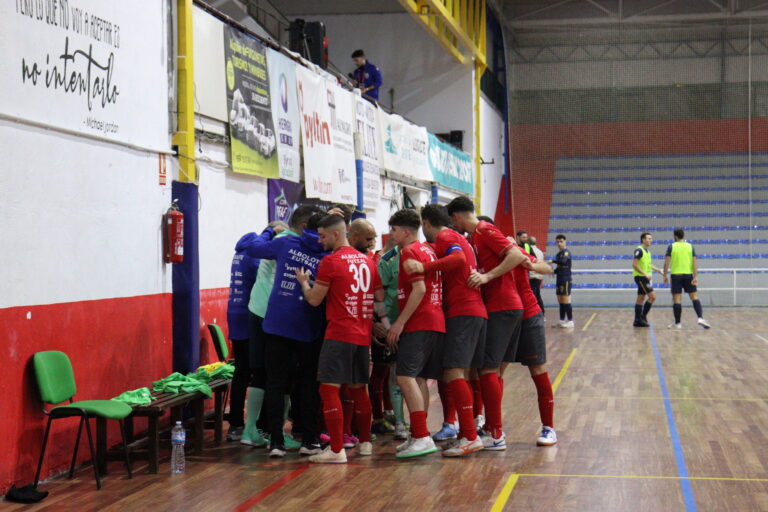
[450, 166]
[251, 129]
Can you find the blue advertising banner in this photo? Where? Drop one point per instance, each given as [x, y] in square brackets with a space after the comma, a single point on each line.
[450, 166]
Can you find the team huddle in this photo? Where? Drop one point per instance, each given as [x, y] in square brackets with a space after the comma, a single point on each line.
[457, 309]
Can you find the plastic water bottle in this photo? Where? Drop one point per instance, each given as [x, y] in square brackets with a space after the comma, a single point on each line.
[178, 437]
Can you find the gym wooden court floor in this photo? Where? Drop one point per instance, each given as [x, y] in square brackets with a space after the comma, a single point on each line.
[647, 420]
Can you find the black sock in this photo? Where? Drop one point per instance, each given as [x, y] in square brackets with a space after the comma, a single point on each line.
[678, 309]
[569, 312]
[697, 308]
[562, 312]
[638, 312]
[646, 308]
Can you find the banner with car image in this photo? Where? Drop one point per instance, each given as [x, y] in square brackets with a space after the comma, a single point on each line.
[251, 129]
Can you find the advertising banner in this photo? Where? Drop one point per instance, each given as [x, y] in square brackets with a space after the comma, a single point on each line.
[285, 113]
[450, 166]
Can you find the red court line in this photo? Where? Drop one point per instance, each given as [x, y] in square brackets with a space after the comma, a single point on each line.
[252, 501]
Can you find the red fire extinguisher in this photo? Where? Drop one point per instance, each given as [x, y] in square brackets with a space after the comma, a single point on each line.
[173, 234]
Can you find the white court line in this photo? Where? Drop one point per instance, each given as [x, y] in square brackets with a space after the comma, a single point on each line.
[765, 340]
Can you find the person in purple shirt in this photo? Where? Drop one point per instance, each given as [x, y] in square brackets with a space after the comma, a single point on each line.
[367, 75]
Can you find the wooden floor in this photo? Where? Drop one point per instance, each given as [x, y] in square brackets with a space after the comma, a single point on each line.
[636, 411]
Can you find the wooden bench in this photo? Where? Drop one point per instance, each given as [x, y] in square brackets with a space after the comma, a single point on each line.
[164, 402]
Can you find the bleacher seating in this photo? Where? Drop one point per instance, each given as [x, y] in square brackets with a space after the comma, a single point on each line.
[602, 204]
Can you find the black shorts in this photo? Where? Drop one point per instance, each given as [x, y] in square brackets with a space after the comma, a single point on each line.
[501, 336]
[257, 341]
[463, 335]
[532, 347]
[563, 286]
[381, 354]
[682, 282]
[343, 363]
[419, 354]
[644, 286]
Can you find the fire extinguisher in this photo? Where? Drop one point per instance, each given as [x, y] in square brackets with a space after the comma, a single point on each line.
[173, 234]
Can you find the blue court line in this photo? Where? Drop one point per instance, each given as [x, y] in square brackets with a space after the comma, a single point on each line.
[640, 229]
[699, 177]
[735, 165]
[742, 154]
[634, 243]
[682, 469]
[659, 215]
[606, 204]
[636, 191]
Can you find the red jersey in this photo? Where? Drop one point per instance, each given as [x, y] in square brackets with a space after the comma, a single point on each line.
[530, 304]
[459, 299]
[429, 314]
[500, 294]
[351, 278]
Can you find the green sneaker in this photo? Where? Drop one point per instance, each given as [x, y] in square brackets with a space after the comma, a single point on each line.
[254, 438]
[290, 443]
[418, 447]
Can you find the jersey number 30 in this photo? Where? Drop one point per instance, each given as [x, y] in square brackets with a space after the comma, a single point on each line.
[362, 276]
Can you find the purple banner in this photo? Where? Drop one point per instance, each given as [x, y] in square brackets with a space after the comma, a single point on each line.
[283, 197]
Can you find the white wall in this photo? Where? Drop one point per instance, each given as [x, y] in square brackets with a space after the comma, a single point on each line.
[81, 219]
[231, 205]
[491, 150]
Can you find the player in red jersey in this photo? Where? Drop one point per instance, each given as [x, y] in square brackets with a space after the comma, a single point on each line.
[464, 342]
[418, 331]
[348, 280]
[496, 256]
[532, 349]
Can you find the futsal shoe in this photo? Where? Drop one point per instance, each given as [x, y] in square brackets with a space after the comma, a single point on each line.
[290, 443]
[463, 447]
[365, 448]
[445, 433]
[276, 451]
[406, 444]
[417, 448]
[568, 325]
[234, 433]
[548, 437]
[640, 323]
[255, 438]
[494, 444]
[328, 456]
[310, 449]
[350, 441]
[703, 323]
[401, 432]
[675, 327]
[382, 426]
[479, 424]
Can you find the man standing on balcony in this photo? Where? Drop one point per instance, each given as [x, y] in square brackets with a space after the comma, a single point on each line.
[367, 76]
[681, 261]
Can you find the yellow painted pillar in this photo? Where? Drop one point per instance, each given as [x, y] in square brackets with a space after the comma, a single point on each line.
[184, 137]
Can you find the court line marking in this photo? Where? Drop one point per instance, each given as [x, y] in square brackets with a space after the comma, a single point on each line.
[264, 493]
[503, 496]
[725, 399]
[564, 369]
[765, 340]
[682, 470]
[588, 322]
[644, 477]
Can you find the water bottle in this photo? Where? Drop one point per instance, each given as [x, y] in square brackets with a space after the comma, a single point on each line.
[178, 437]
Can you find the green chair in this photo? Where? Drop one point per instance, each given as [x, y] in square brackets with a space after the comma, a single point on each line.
[56, 383]
[219, 342]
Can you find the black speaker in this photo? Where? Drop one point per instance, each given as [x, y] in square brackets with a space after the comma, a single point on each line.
[308, 39]
[454, 138]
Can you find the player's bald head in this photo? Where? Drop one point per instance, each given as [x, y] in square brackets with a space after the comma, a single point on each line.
[362, 235]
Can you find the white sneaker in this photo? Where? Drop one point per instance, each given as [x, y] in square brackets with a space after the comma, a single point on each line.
[568, 324]
[401, 433]
[704, 323]
[548, 437]
[494, 444]
[365, 448]
[463, 447]
[328, 456]
[403, 446]
[418, 447]
[277, 452]
[560, 324]
[479, 421]
[676, 327]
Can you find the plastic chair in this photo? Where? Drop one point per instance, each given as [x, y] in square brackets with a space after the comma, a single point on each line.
[56, 384]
